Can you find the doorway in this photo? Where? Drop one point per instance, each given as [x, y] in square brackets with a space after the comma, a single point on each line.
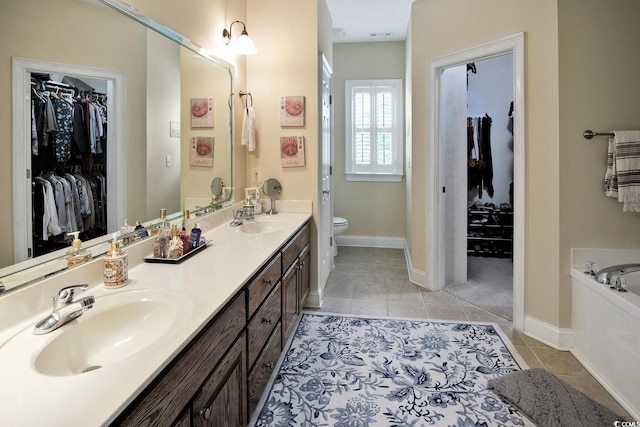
[116, 156]
[436, 188]
[479, 182]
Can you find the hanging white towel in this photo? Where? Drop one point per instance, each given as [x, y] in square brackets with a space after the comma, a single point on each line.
[624, 173]
[249, 128]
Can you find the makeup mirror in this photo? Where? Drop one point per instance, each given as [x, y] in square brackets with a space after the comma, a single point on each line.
[272, 189]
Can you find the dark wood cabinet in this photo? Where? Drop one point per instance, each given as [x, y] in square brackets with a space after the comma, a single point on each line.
[219, 378]
[164, 401]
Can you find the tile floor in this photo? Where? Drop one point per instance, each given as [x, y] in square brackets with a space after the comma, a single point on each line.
[375, 281]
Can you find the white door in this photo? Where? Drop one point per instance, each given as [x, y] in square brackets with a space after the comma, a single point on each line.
[454, 140]
[325, 233]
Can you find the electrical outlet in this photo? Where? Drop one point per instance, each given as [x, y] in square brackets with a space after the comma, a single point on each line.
[256, 174]
[167, 161]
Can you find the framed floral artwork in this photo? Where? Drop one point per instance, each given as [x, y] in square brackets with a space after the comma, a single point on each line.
[201, 112]
[292, 151]
[292, 111]
[202, 151]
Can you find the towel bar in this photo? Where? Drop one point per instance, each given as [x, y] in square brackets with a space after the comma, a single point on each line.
[588, 134]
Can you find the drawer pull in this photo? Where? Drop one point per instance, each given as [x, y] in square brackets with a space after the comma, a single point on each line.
[268, 365]
[268, 282]
[265, 320]
[205, 413]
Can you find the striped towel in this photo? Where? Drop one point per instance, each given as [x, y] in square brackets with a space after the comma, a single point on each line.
[622, 178]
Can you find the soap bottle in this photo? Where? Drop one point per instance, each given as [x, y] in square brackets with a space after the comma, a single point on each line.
[77, 254]
[140, 230]
[184, 236]
[194, 238]
[116, 266]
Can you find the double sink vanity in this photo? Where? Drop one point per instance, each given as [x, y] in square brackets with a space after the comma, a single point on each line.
[183, 344]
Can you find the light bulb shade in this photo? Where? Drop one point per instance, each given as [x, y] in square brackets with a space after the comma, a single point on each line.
[244, 45]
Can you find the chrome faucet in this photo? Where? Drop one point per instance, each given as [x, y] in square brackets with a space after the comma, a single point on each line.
[65, 309]
[245, 212]
[606, 274]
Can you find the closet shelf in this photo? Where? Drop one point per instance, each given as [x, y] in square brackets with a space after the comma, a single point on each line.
[489, 232]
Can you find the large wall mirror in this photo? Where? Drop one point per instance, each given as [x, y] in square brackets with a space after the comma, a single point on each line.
[167, 122]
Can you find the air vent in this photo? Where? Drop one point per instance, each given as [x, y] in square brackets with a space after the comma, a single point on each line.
[338, 32]
[380, 34]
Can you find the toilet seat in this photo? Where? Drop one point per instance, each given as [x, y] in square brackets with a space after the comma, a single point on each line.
[338, 221]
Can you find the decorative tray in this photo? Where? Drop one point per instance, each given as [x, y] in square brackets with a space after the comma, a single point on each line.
[151, 258]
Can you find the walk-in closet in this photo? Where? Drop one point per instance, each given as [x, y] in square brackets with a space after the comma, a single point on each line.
[68, 160]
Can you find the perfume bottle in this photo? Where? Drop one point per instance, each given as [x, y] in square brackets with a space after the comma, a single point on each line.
[163, 237]
[184, 236]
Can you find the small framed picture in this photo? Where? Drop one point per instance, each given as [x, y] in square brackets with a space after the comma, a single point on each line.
[201, 112]
[292, 151]
[292, 111]
[202, 151]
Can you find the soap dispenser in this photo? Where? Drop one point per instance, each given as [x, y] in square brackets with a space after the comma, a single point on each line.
[116, 266]
[77, 254]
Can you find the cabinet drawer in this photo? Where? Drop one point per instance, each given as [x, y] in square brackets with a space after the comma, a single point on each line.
[263, 283]
[169, 394]
[263, 323]
[261, 372]
[293, 248]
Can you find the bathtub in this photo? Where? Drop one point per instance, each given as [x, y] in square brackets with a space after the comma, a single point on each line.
[605, 325]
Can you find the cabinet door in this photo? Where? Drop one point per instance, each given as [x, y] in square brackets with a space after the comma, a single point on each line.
[289, 300]
[304, 276]
[222, 400]
[184, 420]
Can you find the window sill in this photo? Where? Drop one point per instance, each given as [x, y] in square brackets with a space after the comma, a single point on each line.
[374, 177]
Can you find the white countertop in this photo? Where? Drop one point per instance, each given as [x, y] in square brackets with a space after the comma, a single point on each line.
[208, 280]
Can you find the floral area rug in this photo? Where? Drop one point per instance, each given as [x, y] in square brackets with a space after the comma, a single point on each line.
[343, 370]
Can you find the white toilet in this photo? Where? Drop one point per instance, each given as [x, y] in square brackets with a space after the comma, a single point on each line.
[340, 225]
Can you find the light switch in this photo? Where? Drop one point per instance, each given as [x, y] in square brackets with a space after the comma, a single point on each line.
[168, 161]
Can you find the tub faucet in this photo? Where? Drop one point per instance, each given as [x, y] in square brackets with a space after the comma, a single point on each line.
[618, 283]
[65, 309]
[606, 274]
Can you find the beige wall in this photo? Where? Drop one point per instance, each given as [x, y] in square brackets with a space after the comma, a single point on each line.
[599, 90]
[372, 208]
[289, 35]
[441, 27]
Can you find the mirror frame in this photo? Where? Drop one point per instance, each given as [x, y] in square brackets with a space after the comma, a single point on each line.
[33, 270]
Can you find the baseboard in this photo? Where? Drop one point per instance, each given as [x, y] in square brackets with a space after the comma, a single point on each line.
[314, 300]
[558, 338]
[371, 241]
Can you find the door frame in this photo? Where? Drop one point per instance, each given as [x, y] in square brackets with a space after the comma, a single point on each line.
[21, 129]
[513, 44]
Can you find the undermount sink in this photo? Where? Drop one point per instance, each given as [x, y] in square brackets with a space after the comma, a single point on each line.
[262, 225]
[117, 327]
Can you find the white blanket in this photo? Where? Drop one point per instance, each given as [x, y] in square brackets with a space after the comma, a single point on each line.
[622, 178]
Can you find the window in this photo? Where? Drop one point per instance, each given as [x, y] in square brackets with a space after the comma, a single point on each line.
[373, 130]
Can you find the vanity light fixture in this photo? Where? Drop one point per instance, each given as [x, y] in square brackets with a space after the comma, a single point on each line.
[243, 45]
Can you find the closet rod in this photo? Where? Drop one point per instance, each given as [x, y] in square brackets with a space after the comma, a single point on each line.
[588, 134]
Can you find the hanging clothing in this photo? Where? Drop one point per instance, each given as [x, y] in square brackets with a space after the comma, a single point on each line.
[479, 162]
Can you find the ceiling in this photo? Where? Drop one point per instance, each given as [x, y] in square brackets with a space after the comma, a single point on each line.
[369, 20]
